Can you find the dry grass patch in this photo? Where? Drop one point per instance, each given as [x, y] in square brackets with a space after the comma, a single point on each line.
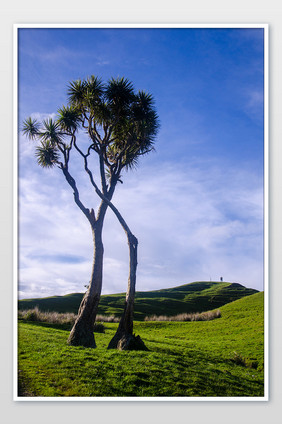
[66, 319]
[203, 316]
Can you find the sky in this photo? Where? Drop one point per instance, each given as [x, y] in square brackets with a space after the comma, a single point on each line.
[195, 204]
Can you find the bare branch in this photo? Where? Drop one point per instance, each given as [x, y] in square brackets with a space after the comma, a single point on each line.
[102, 173]
[89, 214]
[106, 199]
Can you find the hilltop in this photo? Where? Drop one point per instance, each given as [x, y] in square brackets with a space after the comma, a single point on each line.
[188, 298]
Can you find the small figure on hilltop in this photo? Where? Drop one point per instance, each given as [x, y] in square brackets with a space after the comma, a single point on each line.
[221, 279]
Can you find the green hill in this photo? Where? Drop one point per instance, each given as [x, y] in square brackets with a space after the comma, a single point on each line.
[219, 358]
[188, 298]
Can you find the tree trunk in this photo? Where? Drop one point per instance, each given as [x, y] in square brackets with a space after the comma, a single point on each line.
[82, 331]
[124, 339]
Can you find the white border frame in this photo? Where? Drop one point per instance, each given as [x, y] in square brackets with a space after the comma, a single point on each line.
[16, 27]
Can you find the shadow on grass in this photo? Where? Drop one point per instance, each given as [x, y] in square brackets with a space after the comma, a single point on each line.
[98, 328]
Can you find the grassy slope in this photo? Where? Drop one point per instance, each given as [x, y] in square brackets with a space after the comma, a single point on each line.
[184, 358]
[194, 297]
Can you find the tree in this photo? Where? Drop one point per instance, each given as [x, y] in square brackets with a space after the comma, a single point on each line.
[121, 126]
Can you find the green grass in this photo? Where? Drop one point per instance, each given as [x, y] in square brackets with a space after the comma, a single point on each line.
[219, 358]
[188, 298]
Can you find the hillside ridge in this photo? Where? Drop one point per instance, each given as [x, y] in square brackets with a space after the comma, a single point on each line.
[193, 297]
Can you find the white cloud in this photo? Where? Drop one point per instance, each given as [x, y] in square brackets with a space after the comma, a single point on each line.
[254, 104]
[192, 223]
[184, 220]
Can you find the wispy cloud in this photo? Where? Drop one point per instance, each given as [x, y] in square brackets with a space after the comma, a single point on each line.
[192, 224]
[254, 104]
[59, 55]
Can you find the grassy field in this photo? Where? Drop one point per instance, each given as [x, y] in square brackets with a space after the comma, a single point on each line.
[188, 298]
[219, 358]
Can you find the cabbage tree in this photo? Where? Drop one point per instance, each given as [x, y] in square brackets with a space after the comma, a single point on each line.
[121, 126]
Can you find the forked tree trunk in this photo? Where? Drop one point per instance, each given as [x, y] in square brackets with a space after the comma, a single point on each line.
[82, 331]
[124, 339]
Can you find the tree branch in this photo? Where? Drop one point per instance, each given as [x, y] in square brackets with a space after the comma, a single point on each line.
[93, 136]
[90, 215]
[106, 199]
[102, 173]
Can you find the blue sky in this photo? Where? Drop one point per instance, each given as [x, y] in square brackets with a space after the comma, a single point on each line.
[196, 204]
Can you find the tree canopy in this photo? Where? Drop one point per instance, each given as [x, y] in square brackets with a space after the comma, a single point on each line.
[120, 123]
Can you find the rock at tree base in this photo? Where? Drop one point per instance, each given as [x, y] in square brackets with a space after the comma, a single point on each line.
[127, 342]
[131, 342]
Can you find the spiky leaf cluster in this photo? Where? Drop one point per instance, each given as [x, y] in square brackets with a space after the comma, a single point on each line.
[69, 119]
[47, 154]
[30, 128]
